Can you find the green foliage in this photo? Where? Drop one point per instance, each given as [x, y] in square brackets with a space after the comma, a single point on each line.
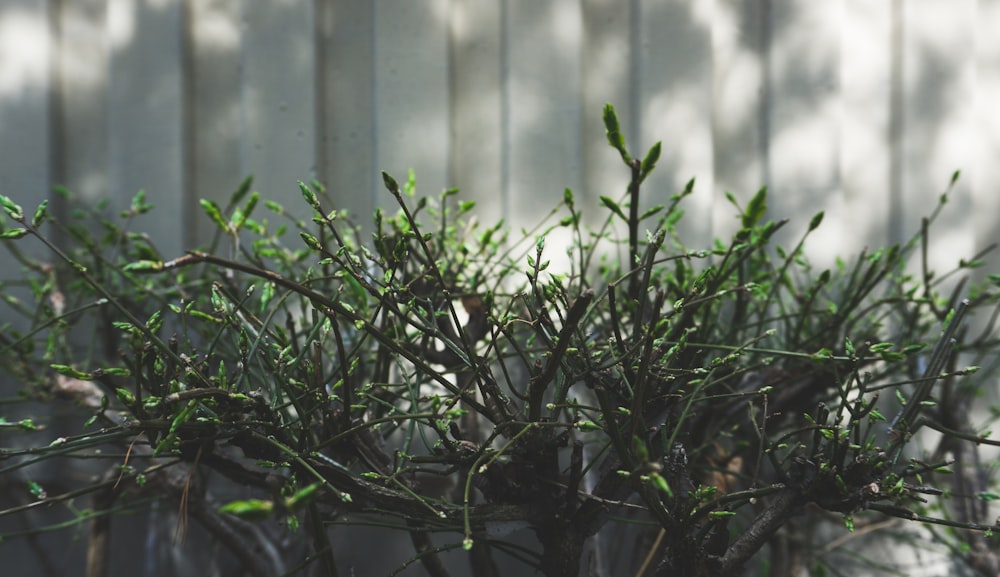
[338, 377]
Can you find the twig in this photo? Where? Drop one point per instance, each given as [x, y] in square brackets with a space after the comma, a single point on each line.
[542, 380]
[774, 516]
[906, 423]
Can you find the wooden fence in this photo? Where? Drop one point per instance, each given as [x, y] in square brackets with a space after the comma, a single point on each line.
[863, 108]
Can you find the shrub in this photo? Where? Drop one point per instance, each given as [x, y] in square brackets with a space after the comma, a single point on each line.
[662, 411]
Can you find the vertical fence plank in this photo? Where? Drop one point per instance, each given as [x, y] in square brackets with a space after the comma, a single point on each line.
[346, 76]
[476, 111]
[25, 135]
[145, 116]
[608, 70]
[738, 52]
[803, 170]
[214, 126]
[25, 46]
[542, 107]
[411, 93]
[25, 60]
[80, 112]
[938, 100]
[675, 94]
[279, 97]
[985, 181]
[866, 72]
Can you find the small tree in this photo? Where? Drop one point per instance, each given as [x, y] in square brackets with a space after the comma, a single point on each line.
[441, 379]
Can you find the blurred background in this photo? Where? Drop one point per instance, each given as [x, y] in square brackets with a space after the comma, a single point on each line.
[863, 109]
[860, 108]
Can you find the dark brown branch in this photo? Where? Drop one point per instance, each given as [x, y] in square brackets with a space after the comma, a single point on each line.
[99, 546]
[541, 381]
[773, 517]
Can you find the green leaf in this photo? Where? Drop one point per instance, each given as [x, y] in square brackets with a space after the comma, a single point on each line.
[11, 208]
[143, 266]
[611, 204]
[117, 372]
[756, 209]
[311, 241]
[651, 212]
[274, 207]
[181, 418]
[36, 490]
[125, 396]
[68, 371]
[241, 190]
[822, 354]
[139, 204]
[640, 450]
[302, 497]
[39, 215]
[817, 219]
[62, 192]
[610, 120]
[614, 134]
[660, 483]
[215, 213]
[240, 216]
[309, 196]
[390, 183]
[688, 187]
[719, 514]
[155, 321]
[14, 233]
[266, 294]
[410, 188]
[249, 509]
[649, 162]
[24, 424]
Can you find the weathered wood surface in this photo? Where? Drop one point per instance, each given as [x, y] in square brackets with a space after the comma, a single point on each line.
[863, 109]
